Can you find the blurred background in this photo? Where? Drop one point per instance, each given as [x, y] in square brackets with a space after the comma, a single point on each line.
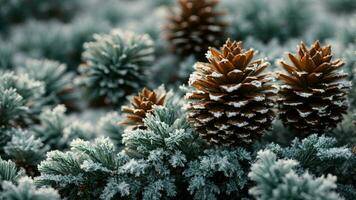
[57, 30]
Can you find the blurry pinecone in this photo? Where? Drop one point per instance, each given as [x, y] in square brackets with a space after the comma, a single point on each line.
[141, 105]
[232, 100]
[195, 27]
[313, 97]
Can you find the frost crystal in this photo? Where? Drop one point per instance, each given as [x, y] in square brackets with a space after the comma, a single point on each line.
[208, 55]
[259, 98]
[231, 88]
[318, 90]
[256, 83]
[242, 124]
[303, 114]
[303, 94]
[248, 115]
[217, 114]
[215, 97]
[224, 60]
[193, 77]
[238, 104]
[216, 75]
[231, 114]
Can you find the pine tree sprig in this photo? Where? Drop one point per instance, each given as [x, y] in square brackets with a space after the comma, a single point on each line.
[115, 64]
[278, 179]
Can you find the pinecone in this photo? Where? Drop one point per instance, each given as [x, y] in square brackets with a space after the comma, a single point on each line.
[141, 105]
[195, 27]
[313, 97]
[231, 103]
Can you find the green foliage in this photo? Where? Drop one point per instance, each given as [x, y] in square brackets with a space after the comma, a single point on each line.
[80, 31]
[18, 95]
[25, 148]
[277, 179]
[345, 132]
[50, 129]
[58, 82]
[6, 53]
[11, 106]
[9, 171]
[55, 40]
[278, 134]
[57, 130]
[338, 6]
[162, 71]
[115, 64]
[318, 154]
[218, 173]
[81, 172]
[322, 155]
[28, 88]
[164, 150]
[26, 190]
[263, 19]
[37, 39]
[347, 28]
[16, 11]
[167, 129]
[109, 126]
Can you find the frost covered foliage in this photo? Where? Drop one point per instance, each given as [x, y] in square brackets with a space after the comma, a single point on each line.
[81, 172]
[278, 179]
[9, 171]
[6, 51]
[156, 163]
[57, 81]
[17, 11]
[57, 130]
[18, 95]
[219, 173]
[80, 31]
[108, 125]
[322, 155]
[338, 6]
[25, 149]
[55, 40]
[115, 64]
[345, 132]
[163, 73]
[163, 151]
[347, 28]
[167, 129]
[25, 189]
[37, 39]
[268, 19]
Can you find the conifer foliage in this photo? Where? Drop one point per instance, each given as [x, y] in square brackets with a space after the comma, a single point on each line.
[278, 179]
[115, 64]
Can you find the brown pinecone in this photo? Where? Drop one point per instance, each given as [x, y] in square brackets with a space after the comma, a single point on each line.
[195, 27]
[313, 97]
[141, 105]
[231, 103]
